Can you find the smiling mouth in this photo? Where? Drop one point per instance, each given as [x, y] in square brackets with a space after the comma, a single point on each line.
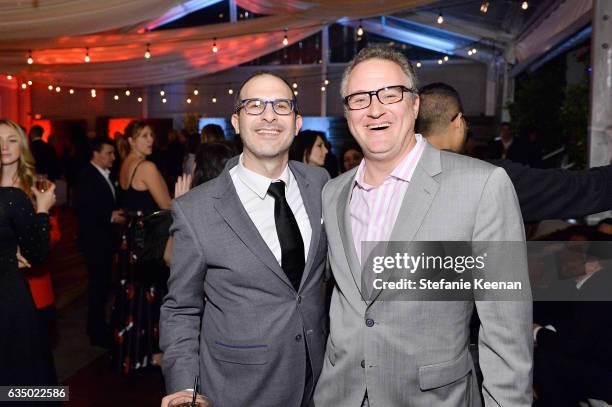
[379, 126]
[268, 132]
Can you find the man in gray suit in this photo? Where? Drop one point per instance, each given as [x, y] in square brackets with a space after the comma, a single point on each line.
[415, 353]
[245, 309]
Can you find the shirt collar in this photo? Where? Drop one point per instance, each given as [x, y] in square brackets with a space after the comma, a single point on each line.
[103, 171]
[403, 171]
[258, 183]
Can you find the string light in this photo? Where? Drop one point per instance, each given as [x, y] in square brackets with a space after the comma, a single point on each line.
[58, 89]
[30, 59]
[71, 91]
[87, 58]
[195, 92]
[525, 5]
[418, 64]
[147, 53]
[295, 92]
[9, 77]
[484, 7]
[214, 48]
[230, 91]
[470, 52]
[93, 93]
[139, 99]
[164, 100]
[127, 92]
[214, 99]
[440, 19]
[286, 39]
[188, 100]
[116, 97]
[326, 82]
[50, 87]
[24, 86]
[322, 88]
[29, 83]
[360, 30]
[445, 58]
[162, 93]
[294, 85]
[440, 62]
[474, 50]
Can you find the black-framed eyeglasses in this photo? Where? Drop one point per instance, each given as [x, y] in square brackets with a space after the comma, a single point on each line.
[386, 96]
[256, 106]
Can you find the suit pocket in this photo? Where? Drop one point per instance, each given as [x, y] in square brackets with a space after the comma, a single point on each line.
[442, 374]
[242, 354]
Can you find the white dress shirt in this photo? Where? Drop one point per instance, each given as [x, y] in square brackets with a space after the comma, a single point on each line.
[252, 189]
[106, 174]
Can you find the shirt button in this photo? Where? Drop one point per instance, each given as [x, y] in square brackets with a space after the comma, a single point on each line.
[363, 363]
[369, 322]
[299, 299]
[298, 337]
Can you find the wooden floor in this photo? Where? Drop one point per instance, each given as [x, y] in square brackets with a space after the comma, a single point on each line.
[82, 367]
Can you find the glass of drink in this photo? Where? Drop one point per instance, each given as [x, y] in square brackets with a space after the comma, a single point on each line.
[41, 182]
[185, 401]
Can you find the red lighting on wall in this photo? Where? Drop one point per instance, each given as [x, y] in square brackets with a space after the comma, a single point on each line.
[47, 128]
[118, 125]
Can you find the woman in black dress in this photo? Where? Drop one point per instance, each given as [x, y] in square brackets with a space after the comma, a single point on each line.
[25, 353]
[142, 284]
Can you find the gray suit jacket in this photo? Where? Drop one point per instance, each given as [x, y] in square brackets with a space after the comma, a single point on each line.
[416, 353]
[247, 343]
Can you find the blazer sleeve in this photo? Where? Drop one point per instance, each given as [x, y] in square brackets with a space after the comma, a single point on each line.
[182, 309]
[505, 340]
[557, 193]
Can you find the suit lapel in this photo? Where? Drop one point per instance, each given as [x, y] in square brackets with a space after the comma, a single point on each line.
[312, 203]
[230, 208]
[102, 180]
[343, 214]
[417, 200]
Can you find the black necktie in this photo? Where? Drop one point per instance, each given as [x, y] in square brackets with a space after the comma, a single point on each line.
[289, 236]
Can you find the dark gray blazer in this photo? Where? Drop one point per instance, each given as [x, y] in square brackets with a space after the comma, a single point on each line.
[250, 335]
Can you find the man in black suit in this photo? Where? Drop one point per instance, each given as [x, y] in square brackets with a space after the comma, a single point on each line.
[542, 193]
[44, 155]
[95, 206]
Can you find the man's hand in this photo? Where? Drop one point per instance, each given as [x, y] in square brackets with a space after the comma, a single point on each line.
[118, 216]
[181, 397]
[22, 262]
[182, 185]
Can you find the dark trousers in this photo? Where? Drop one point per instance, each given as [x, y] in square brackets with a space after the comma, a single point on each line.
[99, 267]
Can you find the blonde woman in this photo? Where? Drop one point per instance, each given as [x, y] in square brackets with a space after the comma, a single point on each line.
[136, 309]
[17, 161]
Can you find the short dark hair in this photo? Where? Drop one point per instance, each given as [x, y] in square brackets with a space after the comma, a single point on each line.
[95, 145]
[303, 143]
[238, 98]
[36, 131]
[214, 133]
[440, 103]
[210, 160]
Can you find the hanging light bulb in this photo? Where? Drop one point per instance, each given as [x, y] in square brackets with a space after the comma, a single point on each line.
[470, 52]
[24, 86]
[93, 93]
[484, 7]
[50, 87]
[230, 91]
[418, 64]
[326, 82]
[139, 99]
[58, 89]
[30, 59]
[294, 85]
[9, 77]
[127, 92]
[322, 88]
[295, 92]
[162, 93]
[360, 30]
[147, 53]
[195, 92]
[71, 91]
[445, 58]
[440, 62]
[164, 100]
[474, 50]
[188, 100]
[286, 39]
[214, 48]
[116, 97]
[87, 58]
[440, 19]
[29, 83]
[214, 99]
[525, 5]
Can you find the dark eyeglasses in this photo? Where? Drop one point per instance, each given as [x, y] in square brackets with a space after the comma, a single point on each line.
[386, 96]
[255, 107]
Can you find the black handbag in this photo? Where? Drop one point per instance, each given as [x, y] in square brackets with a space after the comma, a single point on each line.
[150, 234]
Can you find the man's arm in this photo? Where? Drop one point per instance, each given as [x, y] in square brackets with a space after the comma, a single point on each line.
[557, 193]
[183, 305]
[505, 340]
